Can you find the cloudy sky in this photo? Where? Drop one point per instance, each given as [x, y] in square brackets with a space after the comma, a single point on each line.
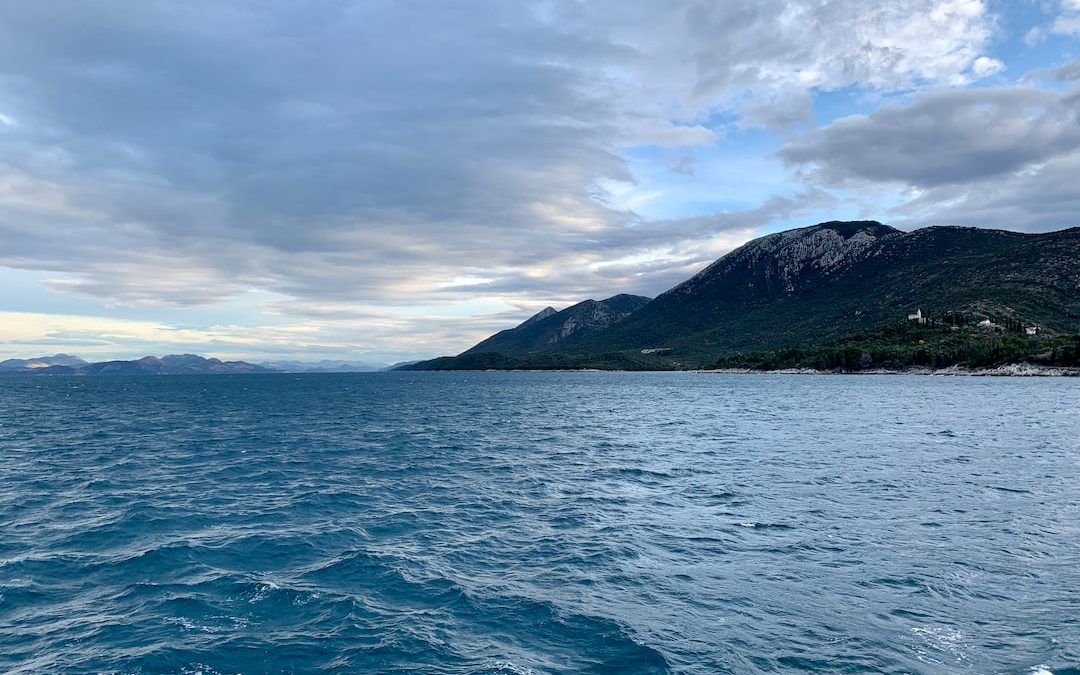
[379, 180]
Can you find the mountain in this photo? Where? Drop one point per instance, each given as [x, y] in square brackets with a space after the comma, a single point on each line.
[176, 364]
[833, 280]
[550, 330]
[41, 362]
[539, 316]
[324, 366]
[400, 365]
[830, 281]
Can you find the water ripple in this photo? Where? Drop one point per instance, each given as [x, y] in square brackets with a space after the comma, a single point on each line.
[536, 523]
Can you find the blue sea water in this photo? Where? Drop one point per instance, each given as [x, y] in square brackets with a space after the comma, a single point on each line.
[539, 523]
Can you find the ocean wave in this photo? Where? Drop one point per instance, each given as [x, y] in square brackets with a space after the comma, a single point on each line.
[538, 524]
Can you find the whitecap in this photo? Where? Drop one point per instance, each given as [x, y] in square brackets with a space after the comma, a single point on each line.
[944, 639]
[511, 667]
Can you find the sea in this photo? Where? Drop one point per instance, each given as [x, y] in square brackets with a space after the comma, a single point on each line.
[561, 522]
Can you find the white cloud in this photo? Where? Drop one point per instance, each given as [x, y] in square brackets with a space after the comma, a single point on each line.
[1068, 21]
[376, 154]
[985, 66]
[689, 58]
[1067, 25]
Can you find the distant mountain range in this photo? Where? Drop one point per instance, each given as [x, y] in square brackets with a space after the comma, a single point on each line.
[325, 366]
[807, 286]
[41, 362]
[177, 364]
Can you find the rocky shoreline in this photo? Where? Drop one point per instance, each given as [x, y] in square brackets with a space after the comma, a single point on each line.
[1009, 370]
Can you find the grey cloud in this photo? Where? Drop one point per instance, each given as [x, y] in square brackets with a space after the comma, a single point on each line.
[781, 110]
[676, 250]
[370, 113]
[683, 165]
[1042, 199]
[182, 152]
[944, 137]
[1004, 158]
[1070, 72]
[255, 145]
[780, 207]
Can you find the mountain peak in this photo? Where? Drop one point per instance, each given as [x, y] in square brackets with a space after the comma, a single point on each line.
[780, 261]
[625, 299]
[852, 228]
[41, 362]
[823, 237]
[548, 328]
[539, 316]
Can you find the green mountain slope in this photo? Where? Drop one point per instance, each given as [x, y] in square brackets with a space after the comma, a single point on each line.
[836, 279]
[820, 284]
[550, 330]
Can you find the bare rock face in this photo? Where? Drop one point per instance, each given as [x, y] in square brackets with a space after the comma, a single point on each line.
[780, 261]
[539, 316]
[589, 315]
[550, 329]
[824, 250]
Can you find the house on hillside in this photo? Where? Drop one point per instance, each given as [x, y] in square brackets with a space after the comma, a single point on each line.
[1031, 329]
[917, 317]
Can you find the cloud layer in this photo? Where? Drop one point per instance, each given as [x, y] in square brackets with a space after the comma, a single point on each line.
[372, 161]
[998, 157]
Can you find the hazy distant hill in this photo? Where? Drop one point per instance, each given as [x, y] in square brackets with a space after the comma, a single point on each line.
[41, 362]
[177, 364]
[826, 282]
[324, 366]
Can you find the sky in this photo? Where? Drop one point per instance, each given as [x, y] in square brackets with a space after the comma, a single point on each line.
[389, 180]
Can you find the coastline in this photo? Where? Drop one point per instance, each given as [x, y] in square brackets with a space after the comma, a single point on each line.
[1009, 370]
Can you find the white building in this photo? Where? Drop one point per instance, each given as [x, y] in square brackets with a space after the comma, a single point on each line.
[917, 317]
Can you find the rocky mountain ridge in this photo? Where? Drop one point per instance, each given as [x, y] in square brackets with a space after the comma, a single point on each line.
[817, 284]
[550, 329]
